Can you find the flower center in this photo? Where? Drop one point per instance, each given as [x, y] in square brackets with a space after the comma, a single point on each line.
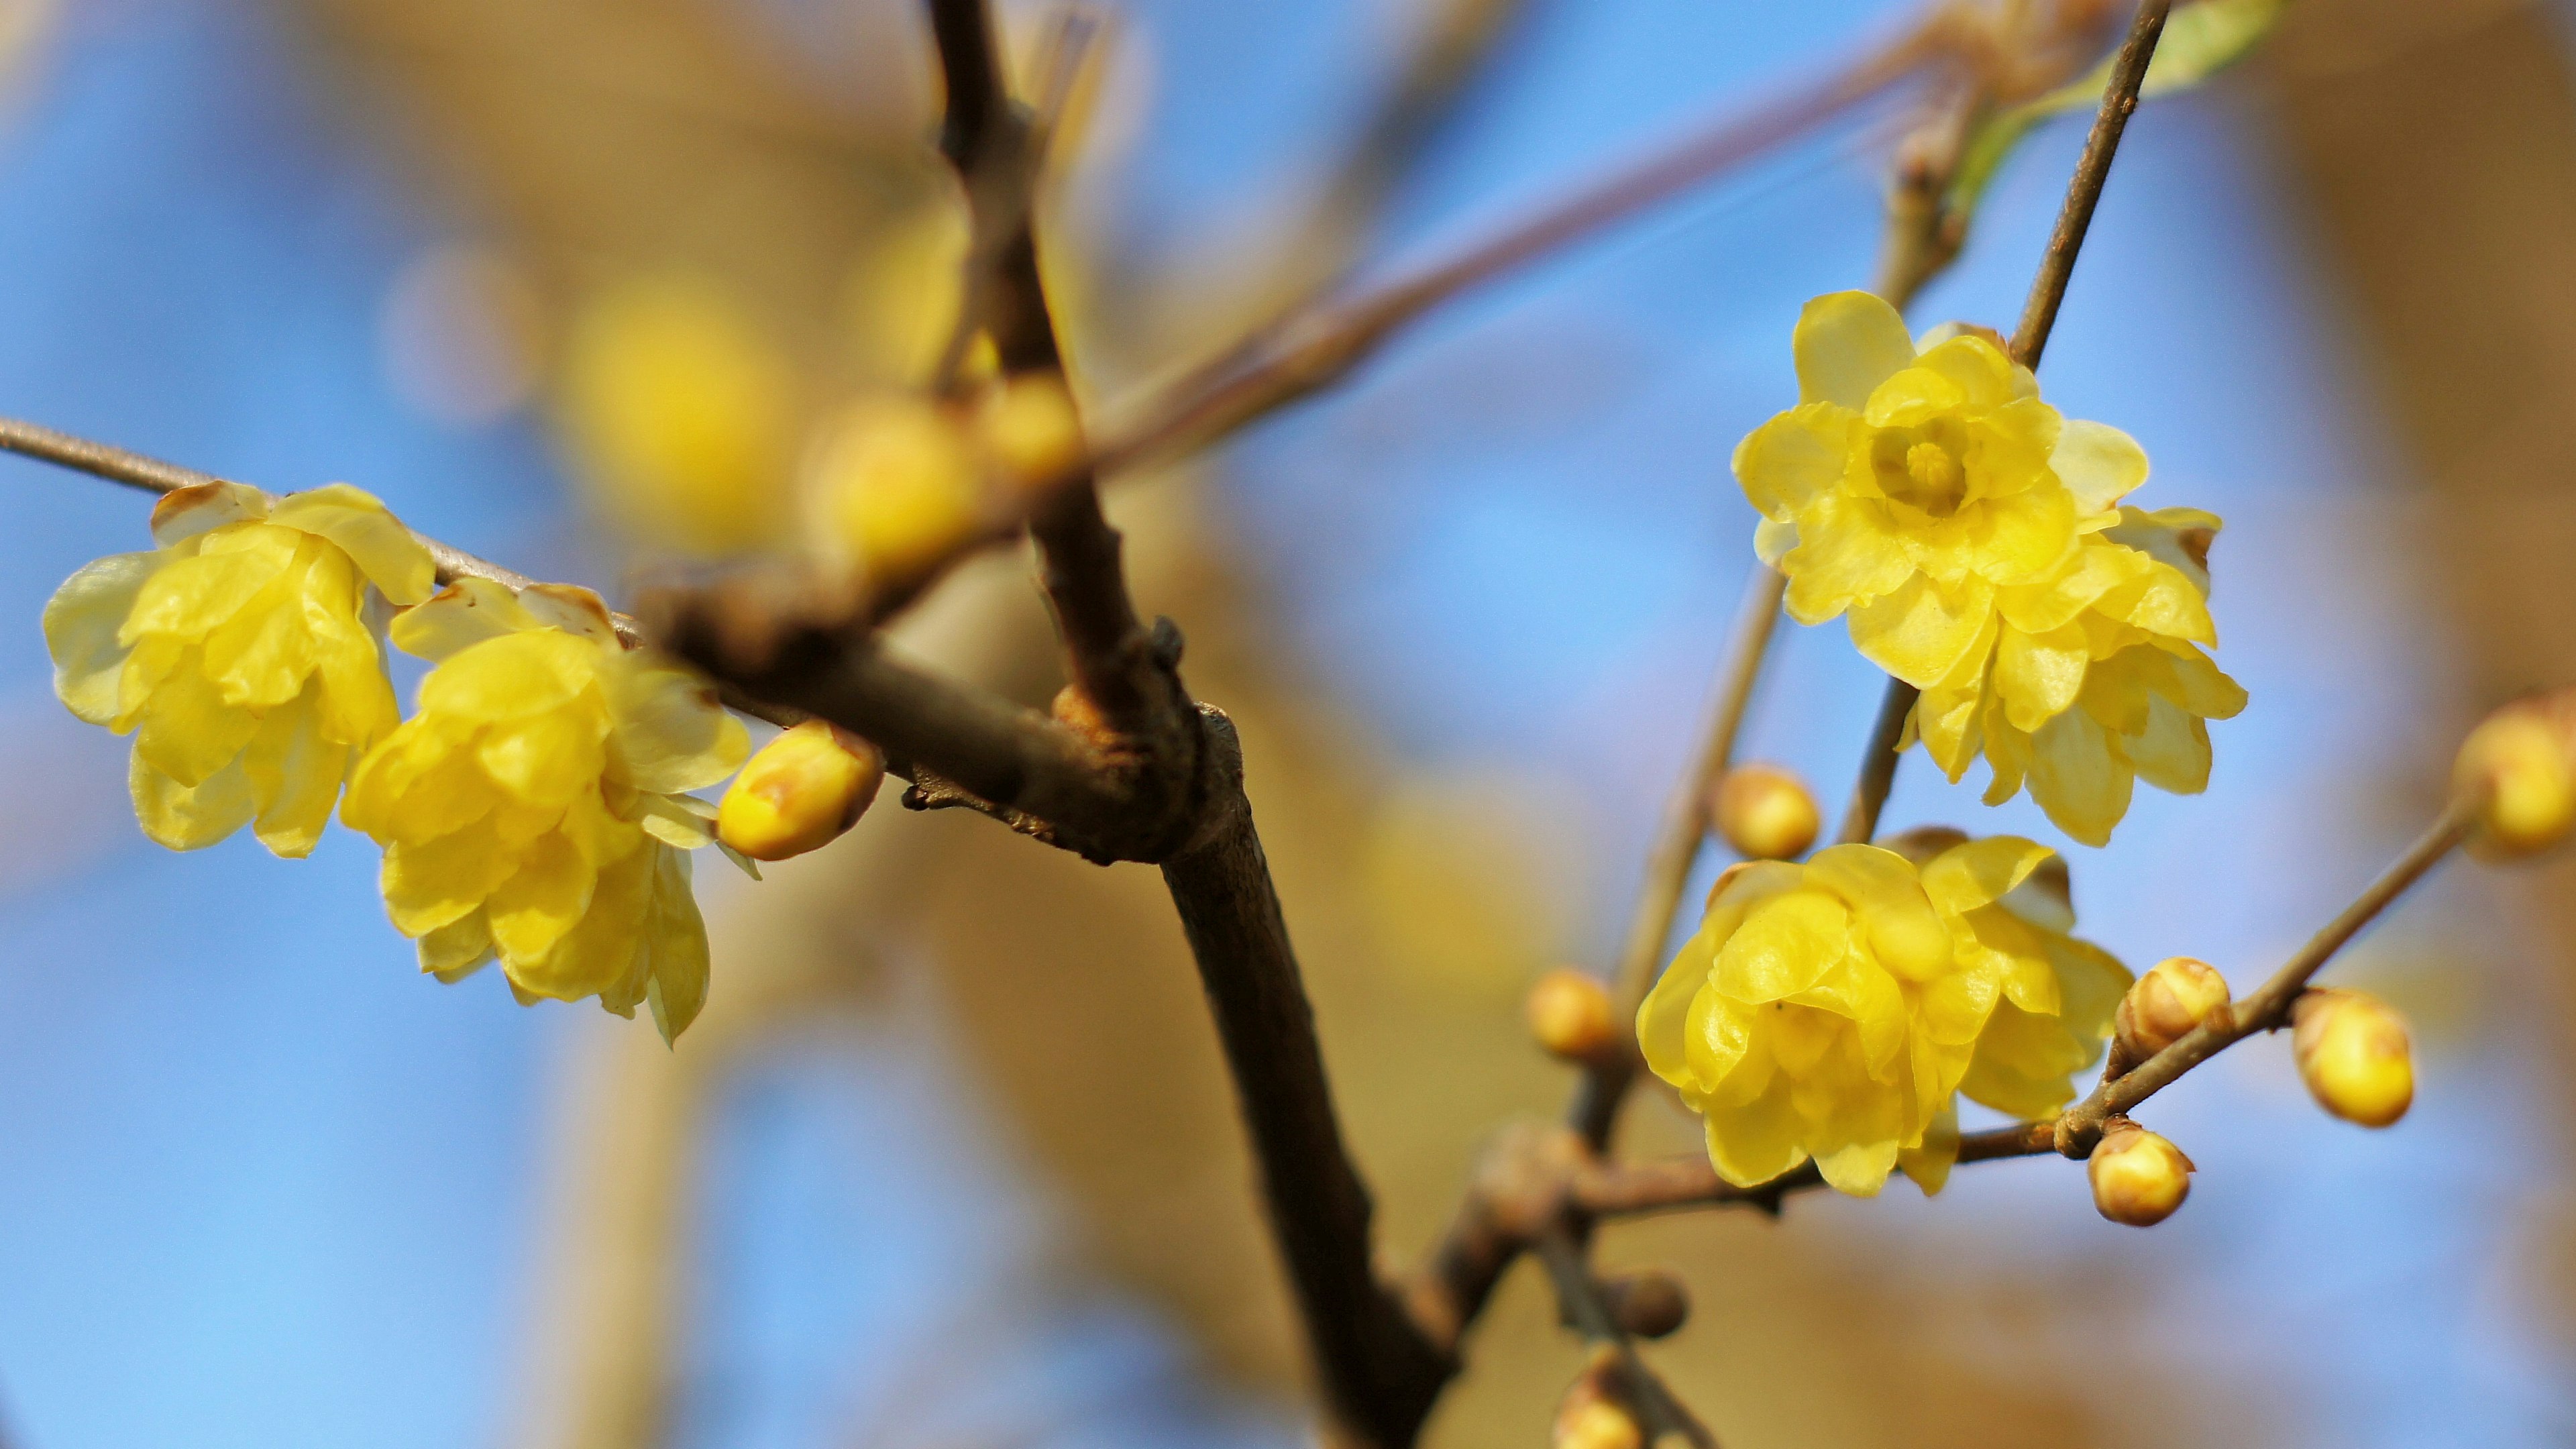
[1924, 471]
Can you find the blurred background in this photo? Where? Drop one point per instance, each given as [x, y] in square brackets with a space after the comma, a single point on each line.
[950, 1160]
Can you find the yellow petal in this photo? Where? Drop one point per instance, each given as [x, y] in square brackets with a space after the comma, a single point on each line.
[185, 513]
[1980, 872]
[1785, 463]
[2098, 463]
[185, 818]
[81, 624]
[2173, 752]
[540, 901]
[187, 597]
[2096, 568]
[364, 529]
[1783, 947]
[1895, 915]
[1928, 1166]
[187, 731]
[1983, 375]
[434, 883]
[295, 775]
[676, 937]
[1923, 630]
[603, 945]
[1846, 344]
[514, 676]
[2024, 536]
[1912, 396]
[1848, 553]
[672, 735]
[458, 617]
[1754, 1143]
[1859, 1170]
[458, 949]
[2039, 676]
[2077, 778]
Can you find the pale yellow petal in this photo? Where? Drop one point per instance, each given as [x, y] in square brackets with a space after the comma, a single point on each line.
[2098, 463]
[2173, 752]
[81, 623]
[295, 775]
[2039, 676]
[364, 529]
[1784, 945]
[676, 937]
[458, 949]
[185, 513]
[1785, 463]
[1846, 344]
[458, 617]
[1859, 1170]
[1923, 630]
[1848, 553]
[2077, 778]
[189, 818]
[1754, 1143]
[672, 735]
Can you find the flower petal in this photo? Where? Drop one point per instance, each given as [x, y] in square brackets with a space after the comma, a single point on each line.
[81, 624]
[376, 541]
[1787, 462]
[1923, 630]
[2098, 463]
[183, 817]
[1847, 343]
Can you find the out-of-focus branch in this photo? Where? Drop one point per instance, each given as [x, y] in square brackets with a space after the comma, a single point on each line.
[2039, 315]
[1631, 1189]
[1587, 1310]
[1676, 851]
[2268, 1009]
[1311, 350]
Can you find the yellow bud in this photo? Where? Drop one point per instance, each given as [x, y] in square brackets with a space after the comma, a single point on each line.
[2175, 995]
[799, 793]
[1765, 813]
[2353, 1054]
[1569, 1013]
[2517, 767]
[1593, 1423]
[1030, 428]
[2138, 1177]
[898, 479]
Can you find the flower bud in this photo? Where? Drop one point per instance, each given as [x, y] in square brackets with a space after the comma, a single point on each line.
[799, 793]
[2519, 769]
[1651, 1304]
[1765, 813]
[2176, 994]
[898, 482]
[1031, 430]
[2352, 1052]
[2138, 1177]
[1590, 1423]
[1569, 1013]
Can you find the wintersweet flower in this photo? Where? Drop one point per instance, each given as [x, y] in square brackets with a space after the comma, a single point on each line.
[2096, 678]
[241, 656]
[1835, 1009]
[1910, 486]
[532, 809]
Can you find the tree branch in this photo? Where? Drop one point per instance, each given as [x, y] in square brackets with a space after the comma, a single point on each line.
[2080, 1127]
[1580, 1301]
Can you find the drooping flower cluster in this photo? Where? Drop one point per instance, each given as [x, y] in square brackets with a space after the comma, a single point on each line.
[1835, 1009]
[1975, 542]
[532, 809]
[240, 656]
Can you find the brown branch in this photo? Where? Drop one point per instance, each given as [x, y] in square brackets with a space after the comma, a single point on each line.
[2269, 1008]
[1381, 1373]
[1632, 1189]
[1878, 761]
[2092, 170]
[1586, 1309]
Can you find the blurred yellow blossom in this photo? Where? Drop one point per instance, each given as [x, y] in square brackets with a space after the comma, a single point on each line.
[899, 482]
[1910, 484]
[240, 656]
[2096, 678]
[532, 808]
[1834, 1009]
[683, 414]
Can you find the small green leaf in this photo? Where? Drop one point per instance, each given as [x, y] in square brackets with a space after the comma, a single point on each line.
[2199, 41]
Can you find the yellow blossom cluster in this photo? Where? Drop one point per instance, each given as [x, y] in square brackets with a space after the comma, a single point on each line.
[533, 809]
[1836, 1009]
[1975, 541]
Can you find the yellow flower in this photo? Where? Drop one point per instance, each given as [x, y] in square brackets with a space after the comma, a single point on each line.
[1910, 485]
[532, 808]
[2096, 678]
[240, 655]
[1834, 1009]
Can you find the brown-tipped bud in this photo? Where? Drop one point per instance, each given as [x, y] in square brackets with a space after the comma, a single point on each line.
[1650, 1304]
[2138, 1177]
[2518, 769]
[1766, 813]
[799, 793]
[1569, 1013]
[2177, 994]
[2353, 1054]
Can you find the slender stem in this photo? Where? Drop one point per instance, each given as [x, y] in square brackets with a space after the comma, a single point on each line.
[1677, 848]
[1587, 1311]
[2092, 170]
[1878, 762]
[2267, 1009]
[1633, 1189]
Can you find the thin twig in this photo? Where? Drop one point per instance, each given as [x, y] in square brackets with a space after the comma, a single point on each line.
[1676, 850]
[1313, 349]
[1634, 1189]
[1579, 1299]
[2267, 1009]
[2092, 170]
[1878, 761]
